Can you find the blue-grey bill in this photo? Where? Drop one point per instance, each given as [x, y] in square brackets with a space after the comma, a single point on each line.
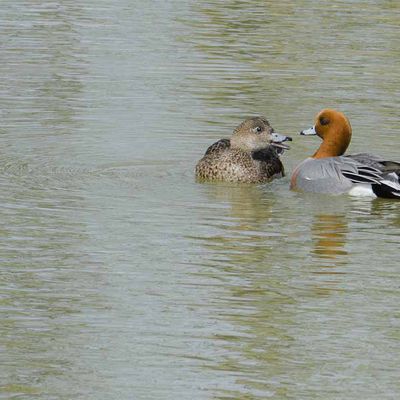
[278, 139]
[310, 131]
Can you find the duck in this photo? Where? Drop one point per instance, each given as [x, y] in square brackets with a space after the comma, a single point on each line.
[251, 155]
[330, 171]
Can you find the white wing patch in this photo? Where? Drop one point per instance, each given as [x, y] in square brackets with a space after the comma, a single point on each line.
[362, 191]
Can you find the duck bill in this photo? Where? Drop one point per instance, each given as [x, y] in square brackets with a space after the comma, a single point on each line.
[309, 132]
[278, 141]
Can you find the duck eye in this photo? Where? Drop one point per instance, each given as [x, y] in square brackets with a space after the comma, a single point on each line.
[257, 129]
[324, 121]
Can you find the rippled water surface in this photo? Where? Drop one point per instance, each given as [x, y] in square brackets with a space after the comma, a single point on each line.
[123, 278]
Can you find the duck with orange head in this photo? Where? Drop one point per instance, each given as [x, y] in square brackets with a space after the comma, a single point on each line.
[330, 171]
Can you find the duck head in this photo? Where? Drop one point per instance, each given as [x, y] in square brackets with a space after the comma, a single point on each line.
[334, 129]
[255, 134]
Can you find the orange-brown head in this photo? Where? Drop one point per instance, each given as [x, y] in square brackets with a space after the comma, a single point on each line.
[334, 129]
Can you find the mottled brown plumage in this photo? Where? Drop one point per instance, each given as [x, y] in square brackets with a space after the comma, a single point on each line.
[249, 156]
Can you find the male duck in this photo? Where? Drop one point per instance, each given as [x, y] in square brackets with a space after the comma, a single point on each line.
[251, 155]
[329, 171]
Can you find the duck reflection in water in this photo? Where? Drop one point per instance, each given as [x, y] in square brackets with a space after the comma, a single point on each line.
[329, 233]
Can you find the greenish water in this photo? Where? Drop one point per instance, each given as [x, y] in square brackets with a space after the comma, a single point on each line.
[123, 278]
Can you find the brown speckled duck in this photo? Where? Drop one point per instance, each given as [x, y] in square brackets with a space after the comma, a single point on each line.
[251, 155]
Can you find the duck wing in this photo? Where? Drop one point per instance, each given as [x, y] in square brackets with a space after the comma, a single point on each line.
[383, 175]
[375, 161]
[219, 146]
[361, 168]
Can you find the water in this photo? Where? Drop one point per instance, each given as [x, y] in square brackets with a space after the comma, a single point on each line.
[121, 277]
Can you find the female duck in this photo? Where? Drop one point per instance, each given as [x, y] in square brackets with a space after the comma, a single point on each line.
[251, 155]
[329, 171]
